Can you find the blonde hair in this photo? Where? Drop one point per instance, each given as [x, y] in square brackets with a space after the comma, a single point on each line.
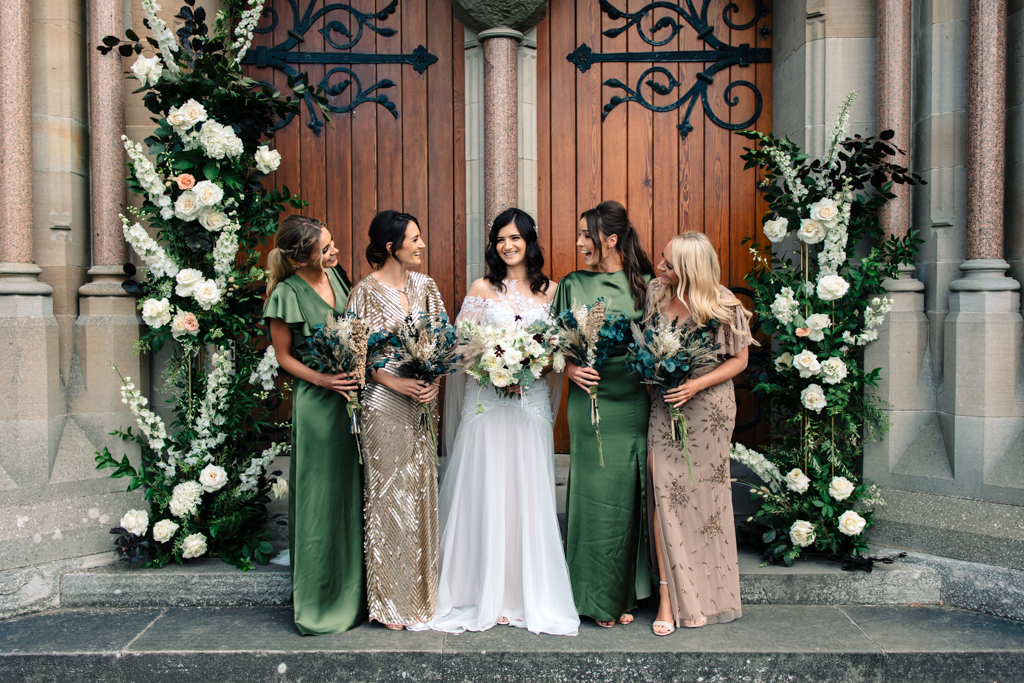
[296, 238]
[694, 261]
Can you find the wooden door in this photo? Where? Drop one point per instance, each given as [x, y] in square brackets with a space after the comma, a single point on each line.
[669, 184]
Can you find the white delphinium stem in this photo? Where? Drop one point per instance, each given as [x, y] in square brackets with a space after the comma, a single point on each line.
[760, 465]
[874, 316]
[150, 424]
[838, 130]
[257, 466]
[832, 257]
[243, 32]
[152, 182]
[160, 264]
[785, 164]
[266, 370]
[163, 35]
[211, 410]
[226, 249]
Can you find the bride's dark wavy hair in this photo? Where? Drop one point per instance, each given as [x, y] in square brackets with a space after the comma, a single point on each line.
[497, 270]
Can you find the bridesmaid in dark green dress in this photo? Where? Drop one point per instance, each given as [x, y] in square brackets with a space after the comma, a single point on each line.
[606, 536]
[325, 504]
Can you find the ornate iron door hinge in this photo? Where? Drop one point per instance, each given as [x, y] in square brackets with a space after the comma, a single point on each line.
[720, 56]
[281, 56]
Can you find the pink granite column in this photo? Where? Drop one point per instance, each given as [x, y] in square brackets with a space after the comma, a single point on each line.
[501, 119]
[107, 163]
[986, 129]
[16, 168]
[894, 86]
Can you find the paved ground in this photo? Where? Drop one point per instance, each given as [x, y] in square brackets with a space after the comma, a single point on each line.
[770, 643]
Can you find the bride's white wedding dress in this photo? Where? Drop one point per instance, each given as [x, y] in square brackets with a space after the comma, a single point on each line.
[501, 550]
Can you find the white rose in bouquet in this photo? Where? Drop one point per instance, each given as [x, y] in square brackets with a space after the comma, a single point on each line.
[807, 363]
[213, 220]
[851, 524]
[135, 522]
[185, 498]
[489, 360]
[193, 545]
[186, 207]
[813, 398]
[501, 377]
[811, 231]
[802, 533]
[279, 489]
[164, 530]
[213, 478]
[156, 313]
[267, 160]
[187, 279]
[207, 193]
[825, 212]
[833, 370]
[206, 294]
[513, 358]
[817, 324]
[832, 287]
[841, 488]
[536, 369]
[797, 481]
[148, 69]
[219, 141]
[784, 362]
[776, 229]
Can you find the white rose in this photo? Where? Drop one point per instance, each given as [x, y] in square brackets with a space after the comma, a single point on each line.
[512, 357]
[813, 398]
[186, 116]
[184, 323]
[802, 533]
[851, 524]
[185, 498]
[267, 160]
[558, 361]
[187, 279]
[832, 287]
[135, 522]
[825, 212]
[817, 324]
[213, 478]
[833, 370]
[207, 294]
[501, 377]
[776, 229]
[163, 530]
[784, 362]
[193, 545]
[810, 231]
[186, 207]
[213, 220]
[156, 313]
[841, 488]
[279, 489]
[148, 69]
[797, 481]
[807, 363]
[207, 193]
[537, 369]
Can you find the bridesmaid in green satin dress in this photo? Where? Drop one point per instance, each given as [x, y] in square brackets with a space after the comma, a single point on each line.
[606, 546]
[325, 480]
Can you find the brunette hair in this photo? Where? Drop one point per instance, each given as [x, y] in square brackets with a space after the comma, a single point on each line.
[296, 238]
[497, 269]
[610, 218]
[387, 226]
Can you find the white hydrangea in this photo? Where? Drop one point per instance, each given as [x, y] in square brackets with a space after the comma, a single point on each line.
[219, 141]
[266, 370]
[785, 306]
[185, 498]
[760, 465]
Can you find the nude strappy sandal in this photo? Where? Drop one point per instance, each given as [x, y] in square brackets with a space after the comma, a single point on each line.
[664, 624]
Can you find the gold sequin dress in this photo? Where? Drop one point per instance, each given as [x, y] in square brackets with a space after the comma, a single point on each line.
[698, 535]
[400, 472]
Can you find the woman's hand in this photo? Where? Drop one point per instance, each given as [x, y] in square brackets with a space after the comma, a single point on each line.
[343, 383]
[684, 392]
[514, 389]
[585, 378]
[416, 389]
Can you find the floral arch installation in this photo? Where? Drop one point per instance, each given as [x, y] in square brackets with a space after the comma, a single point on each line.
[339, 36]
[720, 56]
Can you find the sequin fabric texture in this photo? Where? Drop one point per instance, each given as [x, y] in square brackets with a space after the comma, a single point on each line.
[400, 490]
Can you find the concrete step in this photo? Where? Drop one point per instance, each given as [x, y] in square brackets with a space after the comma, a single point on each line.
[771, 643]
[210, 582]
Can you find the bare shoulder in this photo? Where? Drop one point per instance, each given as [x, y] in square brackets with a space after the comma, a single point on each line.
[551, 289]
[481, 287]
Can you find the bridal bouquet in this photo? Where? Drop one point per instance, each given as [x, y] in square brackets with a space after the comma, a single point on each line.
[424, 348]
[502, 358]
[666, 356]
[587, 335]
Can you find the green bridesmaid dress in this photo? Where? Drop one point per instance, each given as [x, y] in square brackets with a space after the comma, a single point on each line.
[606, 536]
[325, 480]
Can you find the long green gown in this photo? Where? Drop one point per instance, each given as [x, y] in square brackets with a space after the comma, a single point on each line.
[325, 480]
[606, 537]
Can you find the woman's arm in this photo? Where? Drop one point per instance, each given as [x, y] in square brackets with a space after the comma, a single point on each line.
[730, 368]
[281, 337]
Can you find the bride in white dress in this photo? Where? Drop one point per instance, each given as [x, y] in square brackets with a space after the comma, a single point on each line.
[501, 551]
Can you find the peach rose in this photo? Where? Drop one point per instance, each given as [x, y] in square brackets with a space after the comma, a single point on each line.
[185, 181]
[190, 323]
[803, 331]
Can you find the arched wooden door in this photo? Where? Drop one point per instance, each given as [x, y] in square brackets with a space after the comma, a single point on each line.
[668, 183]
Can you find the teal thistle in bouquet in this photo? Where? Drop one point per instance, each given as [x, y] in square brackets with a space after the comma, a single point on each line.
[587, 335]
[666, 356]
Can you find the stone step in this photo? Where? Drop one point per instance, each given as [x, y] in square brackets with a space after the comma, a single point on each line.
[770, 643]
[211, 582]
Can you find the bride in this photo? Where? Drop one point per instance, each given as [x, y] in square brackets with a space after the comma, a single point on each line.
[501, 552]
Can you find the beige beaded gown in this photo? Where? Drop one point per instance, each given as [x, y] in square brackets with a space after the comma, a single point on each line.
[400, 472]
[698, 535]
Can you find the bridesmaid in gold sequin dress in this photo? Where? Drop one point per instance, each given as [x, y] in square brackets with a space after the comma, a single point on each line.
[693, 536]
[400, 491]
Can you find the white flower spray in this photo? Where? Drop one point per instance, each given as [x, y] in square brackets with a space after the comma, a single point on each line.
[163, 35]
[243, 32]
[160, 264]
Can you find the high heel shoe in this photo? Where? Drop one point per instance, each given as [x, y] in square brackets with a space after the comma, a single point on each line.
[671, 628]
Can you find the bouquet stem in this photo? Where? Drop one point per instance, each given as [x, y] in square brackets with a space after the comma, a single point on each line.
[595, 419]
[355, 412]
[679, 432]
[427, 421]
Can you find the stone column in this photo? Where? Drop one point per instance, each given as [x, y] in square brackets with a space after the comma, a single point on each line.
[501, 121]
[894, 98]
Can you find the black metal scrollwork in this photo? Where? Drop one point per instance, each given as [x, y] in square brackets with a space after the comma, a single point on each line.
[340, 37]
[720, 56]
